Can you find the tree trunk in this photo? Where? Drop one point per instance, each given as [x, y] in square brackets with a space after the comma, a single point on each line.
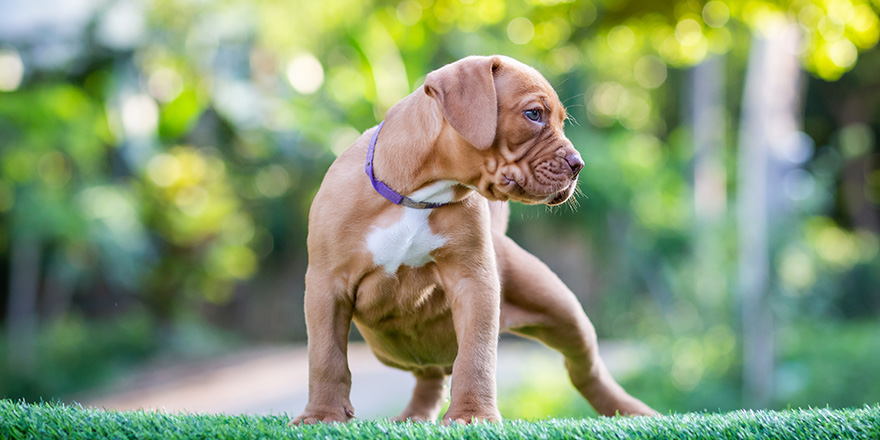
[769, 117]
[710, 178]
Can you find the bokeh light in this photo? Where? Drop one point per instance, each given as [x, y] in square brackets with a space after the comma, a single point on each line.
[11, 70]
[715, 14]
[520, 30]
[140, 115]
[305, 73]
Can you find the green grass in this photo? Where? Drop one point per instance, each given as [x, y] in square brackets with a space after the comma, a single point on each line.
[56, 421]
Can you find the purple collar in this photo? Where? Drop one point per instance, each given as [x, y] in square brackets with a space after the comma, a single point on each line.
[386, 191]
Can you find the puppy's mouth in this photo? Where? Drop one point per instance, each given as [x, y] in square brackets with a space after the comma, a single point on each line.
[508, 188]
[562, 196]
[551, 181]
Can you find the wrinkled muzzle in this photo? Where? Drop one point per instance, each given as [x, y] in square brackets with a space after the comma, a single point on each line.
[550, 178]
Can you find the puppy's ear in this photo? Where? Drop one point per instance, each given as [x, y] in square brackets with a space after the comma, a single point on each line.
[466, 92]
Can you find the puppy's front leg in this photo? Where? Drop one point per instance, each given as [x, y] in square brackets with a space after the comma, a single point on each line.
[328, 322]
[474, 293]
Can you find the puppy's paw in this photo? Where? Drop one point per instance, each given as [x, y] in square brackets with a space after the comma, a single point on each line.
[420, 415]
[412, 419]
[328, 415]
[468, 417]
[637, 408]
[629, 406]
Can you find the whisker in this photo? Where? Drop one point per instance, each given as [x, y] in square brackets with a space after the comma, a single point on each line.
[569, 117]
[573, 97]
[573, 203]
[575, 198]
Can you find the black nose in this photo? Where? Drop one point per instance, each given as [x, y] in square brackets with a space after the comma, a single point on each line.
[575, 162]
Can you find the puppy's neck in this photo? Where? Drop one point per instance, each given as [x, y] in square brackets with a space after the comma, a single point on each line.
[417, 151]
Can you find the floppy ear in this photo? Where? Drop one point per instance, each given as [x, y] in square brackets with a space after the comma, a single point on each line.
[465, 90]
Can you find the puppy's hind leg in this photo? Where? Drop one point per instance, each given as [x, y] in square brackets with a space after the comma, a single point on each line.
[537, 304]
[427, 397]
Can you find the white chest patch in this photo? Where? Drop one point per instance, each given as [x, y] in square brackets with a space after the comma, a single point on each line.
[409, 242]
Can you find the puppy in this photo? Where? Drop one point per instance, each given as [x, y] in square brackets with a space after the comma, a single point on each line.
[407, 240]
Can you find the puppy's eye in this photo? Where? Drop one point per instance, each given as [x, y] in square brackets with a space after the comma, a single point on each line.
[533, 114]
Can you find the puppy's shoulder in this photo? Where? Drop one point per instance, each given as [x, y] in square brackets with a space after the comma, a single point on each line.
[469, 218]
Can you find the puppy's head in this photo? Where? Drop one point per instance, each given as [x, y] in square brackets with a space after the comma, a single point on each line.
[510, 115]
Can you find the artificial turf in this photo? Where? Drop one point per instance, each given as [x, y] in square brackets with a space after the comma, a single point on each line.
[57, 421]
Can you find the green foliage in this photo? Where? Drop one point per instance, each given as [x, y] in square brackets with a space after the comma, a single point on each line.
[45, 421]
[820, 364]
[73, 354]
[834, 360]
[175, 173]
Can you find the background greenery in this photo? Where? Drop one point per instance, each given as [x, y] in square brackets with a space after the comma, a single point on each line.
[158, 159]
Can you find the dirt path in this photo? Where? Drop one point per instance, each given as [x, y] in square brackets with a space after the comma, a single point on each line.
[273, 380]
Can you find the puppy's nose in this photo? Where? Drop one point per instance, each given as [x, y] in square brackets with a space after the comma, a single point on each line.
[575, 162]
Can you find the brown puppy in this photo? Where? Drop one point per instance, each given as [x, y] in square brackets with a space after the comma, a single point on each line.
[430, 289]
